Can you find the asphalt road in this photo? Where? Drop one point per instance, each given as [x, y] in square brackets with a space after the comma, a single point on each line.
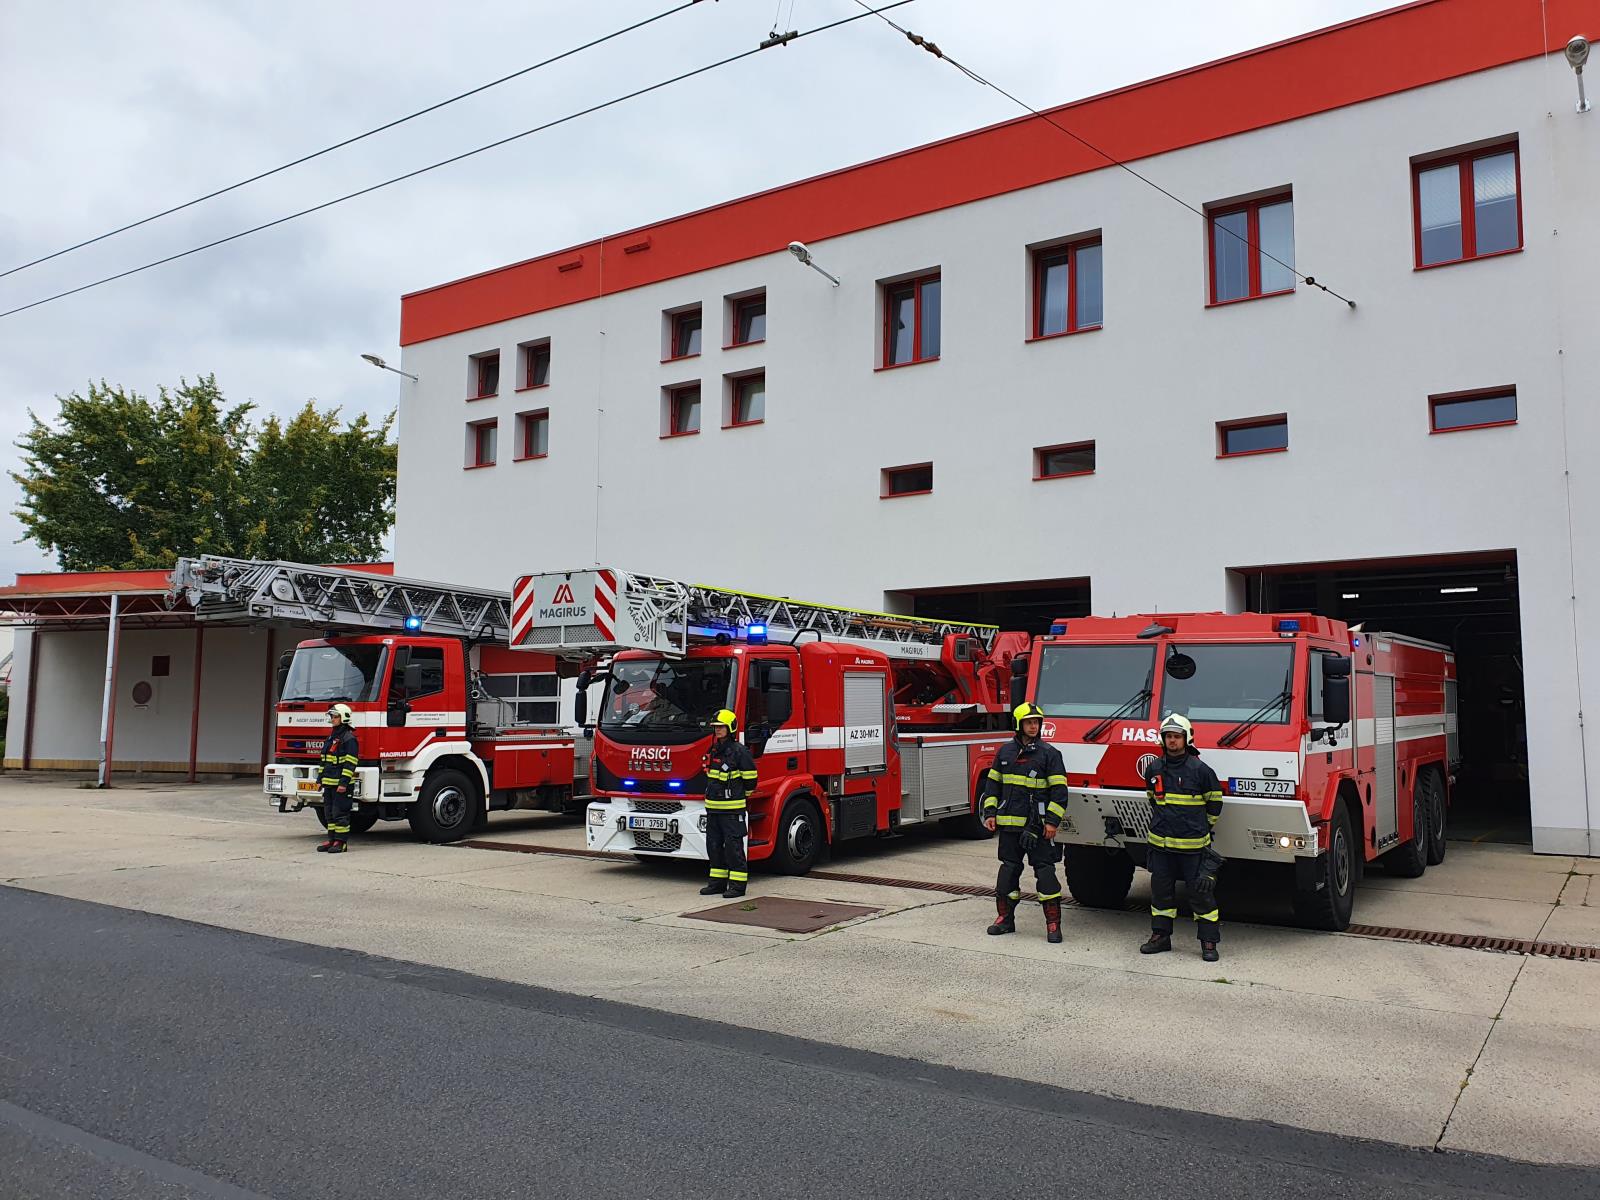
[146, 1057]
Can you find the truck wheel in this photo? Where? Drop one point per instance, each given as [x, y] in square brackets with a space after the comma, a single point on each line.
[1410, 860]
[1097, 876]
[448, 808]
[360, 822]
[1433, 786]
[800, 837]
[1332, 898]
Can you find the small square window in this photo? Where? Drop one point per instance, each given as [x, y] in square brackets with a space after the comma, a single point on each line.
[913, 480]
[1260, 435]
[160, 665]
[481, 443]
[536, 365]
[911, 320]
[684, 333]
[1472, 410]
[682, 415]
[1467, 205]
[485, 377]
[1251, 249]
[533, 434]
[747, 400]
[1058, 462]
[749, 320]
[1067, 288]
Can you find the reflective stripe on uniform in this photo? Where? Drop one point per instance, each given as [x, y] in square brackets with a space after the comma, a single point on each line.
[994, 775]
[1056, 809]
[1162, 912]
[1056, 780]
[1049, 896]
[1026, 781]
[738, 877]
[726, 805]
[1178, 798]
[1007, 820]
[1207, 916]
[1180, 843]
[719, 872]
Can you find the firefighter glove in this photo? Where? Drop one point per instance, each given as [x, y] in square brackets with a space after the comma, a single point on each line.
[1029, 839]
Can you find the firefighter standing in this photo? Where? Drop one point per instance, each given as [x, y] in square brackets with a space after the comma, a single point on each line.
[338, 779]
[730, 774]
[1185, 801]
[1026, 798]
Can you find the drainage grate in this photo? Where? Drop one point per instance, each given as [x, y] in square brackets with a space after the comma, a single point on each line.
[1422, 937]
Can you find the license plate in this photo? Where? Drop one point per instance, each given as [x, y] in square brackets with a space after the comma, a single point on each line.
[1263, 787]
[657, 823]
[308, 785]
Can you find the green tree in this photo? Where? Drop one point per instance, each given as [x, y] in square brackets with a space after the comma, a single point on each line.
[119, 481]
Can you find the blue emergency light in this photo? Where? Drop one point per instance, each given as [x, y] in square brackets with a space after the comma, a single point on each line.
[413, 624]
[674, 785]
[1289, 626]
[1058, 627]
[630, 783]
[756, 635]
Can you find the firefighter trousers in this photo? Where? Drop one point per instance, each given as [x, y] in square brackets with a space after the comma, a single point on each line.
[725, 846]
[1166, 868]
[1043, 858]
[336, 807]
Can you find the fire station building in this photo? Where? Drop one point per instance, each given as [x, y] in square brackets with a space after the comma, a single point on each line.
[1041, 388]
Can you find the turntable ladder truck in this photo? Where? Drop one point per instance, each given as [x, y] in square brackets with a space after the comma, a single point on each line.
[861, 723]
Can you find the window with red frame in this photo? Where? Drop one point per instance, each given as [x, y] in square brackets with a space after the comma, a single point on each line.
[683, 410]
[486, 375]
[1472, 410]
[748, 403]
[749, 320]
[1251, 248]
[685, 334]
[1058, 462]
[906, 481]
[536, 365]
[911, 321]
[1066, 288]
[1467, 205]
[533, 434]
[1260, 435]
[481, 443]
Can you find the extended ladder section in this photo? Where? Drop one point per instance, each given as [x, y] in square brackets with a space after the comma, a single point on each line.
[582, 613]
[231, 589]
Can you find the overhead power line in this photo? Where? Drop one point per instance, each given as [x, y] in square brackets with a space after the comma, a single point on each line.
[918, 40]
[445, 162]
[350, 141]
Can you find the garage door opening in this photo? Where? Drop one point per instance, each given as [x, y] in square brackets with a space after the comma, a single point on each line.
[1029, 607]
[1468, 602]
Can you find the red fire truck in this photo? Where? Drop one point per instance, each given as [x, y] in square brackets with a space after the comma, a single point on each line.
[1336, 747]
[450, 722]
[860, 723]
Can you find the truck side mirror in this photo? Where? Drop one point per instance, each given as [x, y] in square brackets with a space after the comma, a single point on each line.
[1019, 679]
[1336, 689]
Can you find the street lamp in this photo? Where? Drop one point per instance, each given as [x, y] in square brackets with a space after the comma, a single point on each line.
[803, 252]
[383, 366]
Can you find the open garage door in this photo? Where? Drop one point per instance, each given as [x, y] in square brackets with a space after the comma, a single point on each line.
[1029, 607]
[1469, 602]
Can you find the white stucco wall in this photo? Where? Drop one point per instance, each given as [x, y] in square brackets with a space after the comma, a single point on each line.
[1363, 478]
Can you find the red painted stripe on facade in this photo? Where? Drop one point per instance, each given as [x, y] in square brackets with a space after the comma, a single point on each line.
[1389, 52]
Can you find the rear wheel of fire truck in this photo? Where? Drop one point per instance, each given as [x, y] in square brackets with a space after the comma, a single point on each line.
[1331, 898]
[1097, 876]
[448, 808]
[1433, 788]
[800, 836]
[360, 822]
[1410, 860]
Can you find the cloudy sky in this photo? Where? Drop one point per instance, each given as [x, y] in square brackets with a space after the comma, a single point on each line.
[110, 111]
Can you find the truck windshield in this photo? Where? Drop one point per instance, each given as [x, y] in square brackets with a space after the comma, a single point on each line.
[328, 673]
[666, 694]
[1095, 681]
[1231, 683]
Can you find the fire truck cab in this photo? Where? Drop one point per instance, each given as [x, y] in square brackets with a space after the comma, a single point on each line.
[1334, 747]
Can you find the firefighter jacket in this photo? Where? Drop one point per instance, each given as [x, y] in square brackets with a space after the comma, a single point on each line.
[1026, 779]
[730, 775]
[1185, 802]
[339, 758]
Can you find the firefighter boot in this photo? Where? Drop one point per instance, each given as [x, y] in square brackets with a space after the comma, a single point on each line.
[1052, 920]
[714, 888]
[324, 847]
[734, 890]
[1208, 951]
[1006, 915]
[337, 846]
[1158, 943]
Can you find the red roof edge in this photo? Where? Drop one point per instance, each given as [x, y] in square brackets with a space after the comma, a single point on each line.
[1377, 55]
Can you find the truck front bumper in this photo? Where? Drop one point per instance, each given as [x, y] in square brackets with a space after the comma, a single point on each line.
[1265, 830]
[614, 825]
[289, 787]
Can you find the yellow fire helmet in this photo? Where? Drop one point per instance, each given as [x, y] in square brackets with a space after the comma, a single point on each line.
[725, 717]
[1026, 712]
[1178, 723]
[340, 713]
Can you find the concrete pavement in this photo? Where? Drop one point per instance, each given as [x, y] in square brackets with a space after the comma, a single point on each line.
[1426, 1046]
